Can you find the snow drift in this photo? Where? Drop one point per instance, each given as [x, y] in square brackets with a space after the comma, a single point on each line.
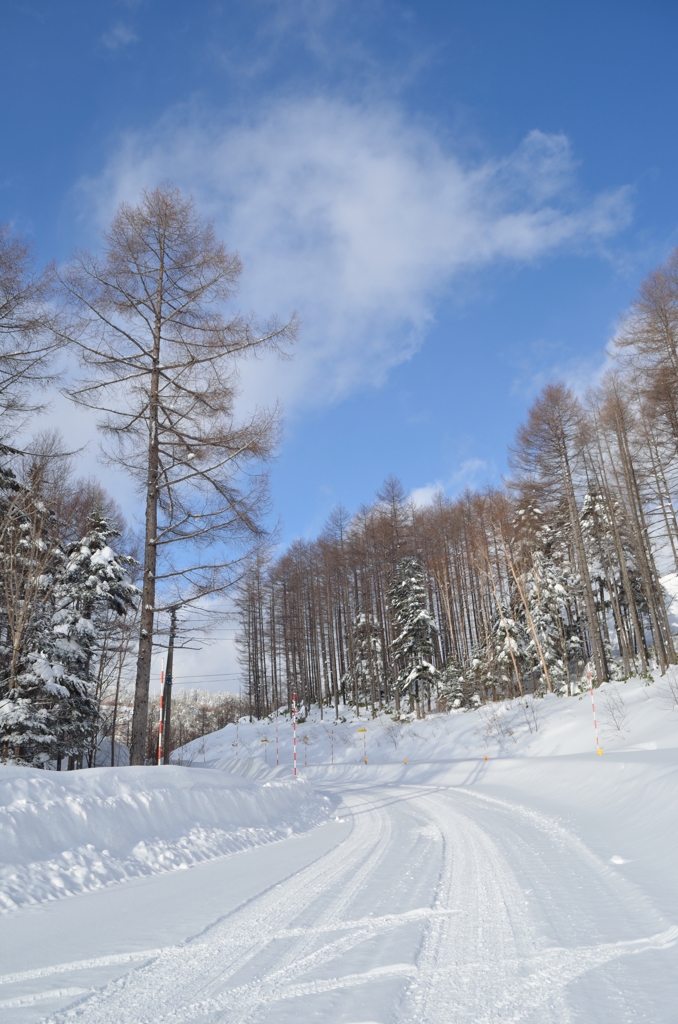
[72, 832]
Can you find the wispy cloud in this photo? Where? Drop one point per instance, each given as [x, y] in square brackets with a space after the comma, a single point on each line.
[359, 218]
[471, 473]
[330, 42]
[119, 35]
[548, 362]
[422, 497]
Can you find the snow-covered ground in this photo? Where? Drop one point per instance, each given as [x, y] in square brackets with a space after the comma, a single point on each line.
[481, 867]
[636, 715]
[74, 832]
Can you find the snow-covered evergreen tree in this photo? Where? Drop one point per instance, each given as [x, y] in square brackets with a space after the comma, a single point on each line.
[414, 627]
[366, 648]
[47, 703]
[545, 593]
[458, 687]
[545, 588]
[29, 690]
[603, 569]
[508, 652]
[93, 578]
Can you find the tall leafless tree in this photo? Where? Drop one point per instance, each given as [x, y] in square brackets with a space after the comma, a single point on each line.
[26, 343]
[149, 320]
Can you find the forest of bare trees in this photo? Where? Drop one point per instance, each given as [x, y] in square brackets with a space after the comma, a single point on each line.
[528, 586]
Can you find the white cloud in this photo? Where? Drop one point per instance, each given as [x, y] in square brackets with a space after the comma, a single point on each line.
[358, 218]
[554, 362]
[422, 497]
[119, 35]
[471, 473]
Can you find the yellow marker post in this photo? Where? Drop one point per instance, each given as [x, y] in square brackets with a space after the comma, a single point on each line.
[364, 732]
[593, 708]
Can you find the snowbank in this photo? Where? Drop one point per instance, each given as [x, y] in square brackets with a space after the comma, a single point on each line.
[71, 832]
[639, 714]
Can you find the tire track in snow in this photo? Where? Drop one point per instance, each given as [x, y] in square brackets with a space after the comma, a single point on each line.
[490, 927]
[554, 968]
[483, 960]
[303, 958]
[79, 965]
[18, 1002]
[238, 1003]
[188, 975]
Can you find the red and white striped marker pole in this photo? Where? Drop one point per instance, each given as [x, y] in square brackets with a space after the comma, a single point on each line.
[593, 708]
[162, 702]
[294, 730]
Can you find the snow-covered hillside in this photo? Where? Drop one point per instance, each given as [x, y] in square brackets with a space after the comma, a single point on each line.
[484, 867]
[636, 715]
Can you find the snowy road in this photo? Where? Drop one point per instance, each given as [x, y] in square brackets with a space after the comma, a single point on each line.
[421, 904]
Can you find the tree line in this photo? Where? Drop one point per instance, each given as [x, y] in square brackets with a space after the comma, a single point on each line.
[503, 591]
[148, 322]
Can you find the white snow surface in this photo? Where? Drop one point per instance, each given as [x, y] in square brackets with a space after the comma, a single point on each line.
[635, 715]
[65, 833]
[481, 868]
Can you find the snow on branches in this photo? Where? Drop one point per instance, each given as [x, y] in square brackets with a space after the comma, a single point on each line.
[412, 647]
[53, 596]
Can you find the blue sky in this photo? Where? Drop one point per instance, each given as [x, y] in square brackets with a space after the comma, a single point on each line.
[459, 198]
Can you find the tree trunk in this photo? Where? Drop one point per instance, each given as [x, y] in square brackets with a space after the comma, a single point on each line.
[594, 628]
[143, 680]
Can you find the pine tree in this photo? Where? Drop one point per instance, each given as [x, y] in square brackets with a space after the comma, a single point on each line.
[545, 592]
[458, 690]
[414, 626]
[47, 702]
[29, 687]
[604, 570]
[94, 578]
[367, 650]
[545, 589]
[508, 652]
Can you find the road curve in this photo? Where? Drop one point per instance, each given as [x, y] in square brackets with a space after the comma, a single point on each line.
[440, 906]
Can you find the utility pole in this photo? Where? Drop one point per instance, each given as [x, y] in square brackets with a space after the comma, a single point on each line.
[167, 690]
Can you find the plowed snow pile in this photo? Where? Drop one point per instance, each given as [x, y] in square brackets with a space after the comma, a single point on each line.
[71, 832]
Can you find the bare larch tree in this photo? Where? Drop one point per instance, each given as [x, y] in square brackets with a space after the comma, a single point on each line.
[149, 318]
[26, 343]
